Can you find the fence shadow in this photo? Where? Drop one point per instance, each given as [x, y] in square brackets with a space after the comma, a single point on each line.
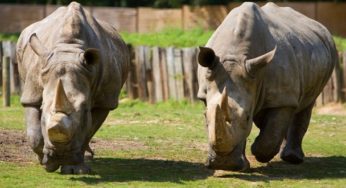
[313, 168]
[125, 170]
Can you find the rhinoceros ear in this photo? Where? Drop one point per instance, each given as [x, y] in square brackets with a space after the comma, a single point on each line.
[255, 64]
[37, 46]
[92, 56]
[206, 57]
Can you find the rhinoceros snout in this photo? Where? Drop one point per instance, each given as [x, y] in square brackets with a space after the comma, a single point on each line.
[234, 160]
[59, 128]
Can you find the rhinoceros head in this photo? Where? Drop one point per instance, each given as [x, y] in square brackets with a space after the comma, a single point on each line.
[66, 122]
[227, 86]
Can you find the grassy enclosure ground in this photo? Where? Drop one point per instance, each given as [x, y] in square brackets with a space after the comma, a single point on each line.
[165, 145]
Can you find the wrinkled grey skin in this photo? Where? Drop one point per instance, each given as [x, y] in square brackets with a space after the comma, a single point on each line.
[73, 67]
[265, 65]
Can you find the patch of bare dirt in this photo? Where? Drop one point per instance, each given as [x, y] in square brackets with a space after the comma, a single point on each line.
[114, 145]
[332, 109]
[14, 147]
[173, 122]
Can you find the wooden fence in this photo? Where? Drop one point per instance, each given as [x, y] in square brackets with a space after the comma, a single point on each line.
[9, 77]
[158, 74]
[161, 74]
[16, 17]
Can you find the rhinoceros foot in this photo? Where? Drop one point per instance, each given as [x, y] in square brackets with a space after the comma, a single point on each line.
[227, 164]
[51, 167]
[292, 156]
[75, 169]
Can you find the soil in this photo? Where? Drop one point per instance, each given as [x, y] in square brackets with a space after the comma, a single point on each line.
[15, 148]
[331, 109]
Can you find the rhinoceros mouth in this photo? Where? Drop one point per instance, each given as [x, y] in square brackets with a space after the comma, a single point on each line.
[227, 162]
[234, 160]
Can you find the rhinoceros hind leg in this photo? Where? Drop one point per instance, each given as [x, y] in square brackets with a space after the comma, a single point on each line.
[273, 124]
[293, 152]
[89, 153]
[75, 169]
[292, 156]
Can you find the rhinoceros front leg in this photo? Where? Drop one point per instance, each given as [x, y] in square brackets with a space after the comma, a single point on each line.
[33, 130]
[98, 117]
[273, 124]
[293, 152]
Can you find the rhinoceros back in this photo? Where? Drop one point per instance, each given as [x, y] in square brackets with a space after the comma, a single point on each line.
[90, 33]
[304, 61]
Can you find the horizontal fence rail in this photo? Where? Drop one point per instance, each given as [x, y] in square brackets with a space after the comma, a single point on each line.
[160, 74]
[16, 17]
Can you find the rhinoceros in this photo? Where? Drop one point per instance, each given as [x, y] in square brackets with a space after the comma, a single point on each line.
[72, 67]
[262, 65]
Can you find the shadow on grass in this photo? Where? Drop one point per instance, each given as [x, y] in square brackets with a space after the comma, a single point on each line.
[313, 168]
[123, 170]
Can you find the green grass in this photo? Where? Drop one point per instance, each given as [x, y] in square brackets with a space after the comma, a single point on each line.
[169, 37]
[164, 145]
[9, 36]
[12, 117]
[340, 43]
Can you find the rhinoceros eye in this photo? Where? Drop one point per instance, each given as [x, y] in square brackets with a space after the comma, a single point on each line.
[209, 74]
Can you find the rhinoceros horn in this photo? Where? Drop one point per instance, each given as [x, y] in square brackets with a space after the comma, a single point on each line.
[220, 137]
[255, 64]
[61, 102]
[59, 127]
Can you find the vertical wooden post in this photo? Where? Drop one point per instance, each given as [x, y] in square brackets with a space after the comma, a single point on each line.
[189, 59]
[6, 89]
[9, 50]
[328, 92]
[157, 74]
[164, 73]
[338, 82]
[1, 55]
[130, 77]
[179, 74]
[141, 74]
[344, 71]
[171, 73]
[149, 74]
[319, 100]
